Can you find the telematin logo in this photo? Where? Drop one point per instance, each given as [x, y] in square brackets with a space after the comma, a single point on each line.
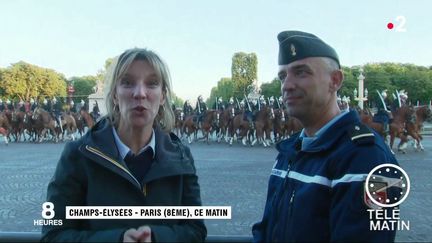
[48, 214]
[386, 186]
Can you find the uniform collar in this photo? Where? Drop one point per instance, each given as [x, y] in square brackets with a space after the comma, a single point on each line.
[306, 141]
[326, 137]
[124, 149]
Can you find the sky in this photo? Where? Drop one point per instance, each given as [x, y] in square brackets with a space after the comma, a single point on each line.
[197, 39]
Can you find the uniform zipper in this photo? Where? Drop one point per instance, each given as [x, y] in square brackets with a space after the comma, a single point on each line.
[291, 203]
[114, 162]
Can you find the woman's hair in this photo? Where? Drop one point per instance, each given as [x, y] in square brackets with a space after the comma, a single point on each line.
[165, 117]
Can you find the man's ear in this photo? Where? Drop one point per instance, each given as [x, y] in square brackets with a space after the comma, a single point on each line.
[336, 80]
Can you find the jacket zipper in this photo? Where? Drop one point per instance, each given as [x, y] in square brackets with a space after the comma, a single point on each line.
[100, 154]
[291, 203]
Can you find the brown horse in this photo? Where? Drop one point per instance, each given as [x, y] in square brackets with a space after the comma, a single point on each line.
[88, 119]
[396, 127]
[404, 117]
[43, 123]
[284, 126]
[18, 124]
[209, 123]
[264, 125]
[69, 126]
[79, 121]
[190, 126]
[225, 119]
[4, 127]
[240, 128]
[414, 127]
[179, 119]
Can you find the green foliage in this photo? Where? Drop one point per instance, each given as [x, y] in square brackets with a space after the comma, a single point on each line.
[102, 72]
[271, 89]
[224, 89]
[243, 71]
[84, 86]
[178, 102]
[24, 81]
[416, 80]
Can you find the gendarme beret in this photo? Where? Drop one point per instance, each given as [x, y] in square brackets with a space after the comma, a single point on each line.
[297, 45]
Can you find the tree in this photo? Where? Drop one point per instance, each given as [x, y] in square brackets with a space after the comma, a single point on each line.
[178, 102]
[84, 86]
[224, 89]
[271, 89]
[243, 72]
[102, 72]
[24, 81]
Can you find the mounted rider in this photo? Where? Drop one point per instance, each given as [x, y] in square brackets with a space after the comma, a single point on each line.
[72, 106]
[21, 106]
[33, 104]
[96, 112]
[56, 111]
[45, 105]
[200, 109]
[187, 108]
[219, 104]
[9, 106]
[383, 115]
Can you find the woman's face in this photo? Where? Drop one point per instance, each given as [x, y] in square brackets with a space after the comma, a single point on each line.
[139, 96]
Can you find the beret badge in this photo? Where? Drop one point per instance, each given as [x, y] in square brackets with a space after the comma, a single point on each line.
[293, 50]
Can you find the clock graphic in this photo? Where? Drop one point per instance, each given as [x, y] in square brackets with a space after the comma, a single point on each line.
[387, 178]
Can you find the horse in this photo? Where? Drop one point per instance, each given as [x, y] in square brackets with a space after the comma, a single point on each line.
[88, 119]
[18, 119]
[79, 121]
[284, 125]
[190, 127]
[396, 127]
[209, 123]
[179, 119]
[264, 125]
[225, 119]
[4, 127]
[240, 128]
[68, 125]
[43, 123]
[414, 127]
[402, 118]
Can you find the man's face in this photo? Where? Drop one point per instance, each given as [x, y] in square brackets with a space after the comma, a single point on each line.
[307, 87]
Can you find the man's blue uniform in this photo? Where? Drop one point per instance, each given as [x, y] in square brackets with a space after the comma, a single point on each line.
[316, 189]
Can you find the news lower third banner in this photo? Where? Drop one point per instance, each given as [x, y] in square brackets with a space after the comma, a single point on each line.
[156, 212]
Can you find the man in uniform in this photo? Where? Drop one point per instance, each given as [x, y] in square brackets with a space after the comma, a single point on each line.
[187, 108]
[96, 112]
[316, 188]
[383, 114]
[73, 107]
[9, 106]
[55, 111]
[200, 109]
[21, 106]
[219, 105]
[46, 106]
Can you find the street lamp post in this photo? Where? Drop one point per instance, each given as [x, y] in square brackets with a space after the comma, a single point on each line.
[362, 93]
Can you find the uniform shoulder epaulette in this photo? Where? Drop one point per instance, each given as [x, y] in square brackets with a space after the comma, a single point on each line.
[360, 133]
